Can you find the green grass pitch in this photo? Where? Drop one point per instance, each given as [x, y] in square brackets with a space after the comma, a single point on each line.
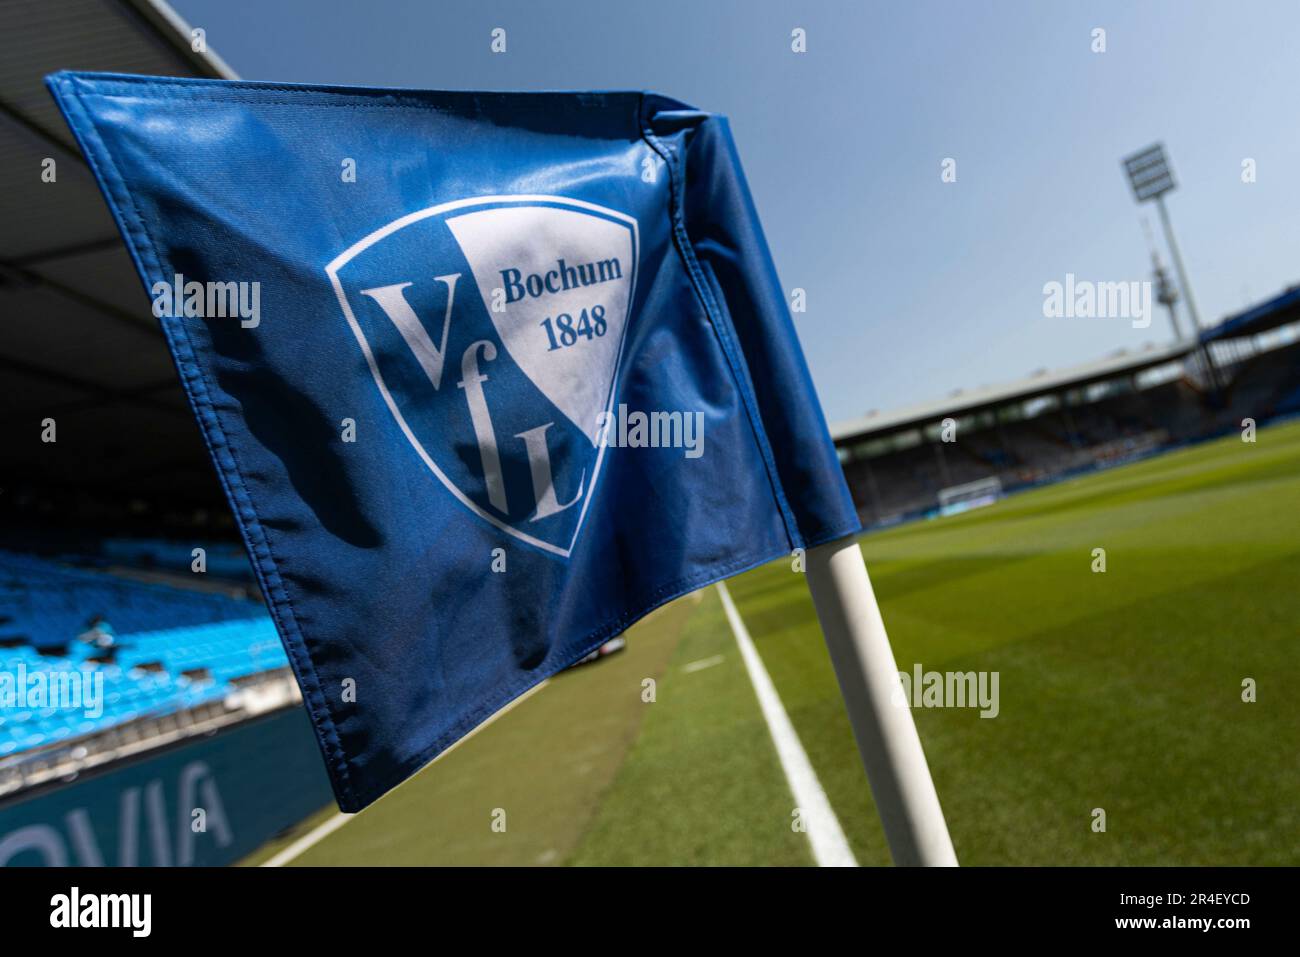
[1120, 690]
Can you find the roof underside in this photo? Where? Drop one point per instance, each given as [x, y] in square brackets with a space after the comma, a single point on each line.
[987, 397]
[78, 342]
[1278, 311]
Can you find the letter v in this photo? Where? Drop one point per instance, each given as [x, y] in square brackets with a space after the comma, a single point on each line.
[392, 299]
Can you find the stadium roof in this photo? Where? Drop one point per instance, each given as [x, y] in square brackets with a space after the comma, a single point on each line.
[986, 397]
[1278, 311]
[78, 342]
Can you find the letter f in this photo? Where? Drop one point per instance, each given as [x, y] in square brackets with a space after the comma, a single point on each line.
[471, 380]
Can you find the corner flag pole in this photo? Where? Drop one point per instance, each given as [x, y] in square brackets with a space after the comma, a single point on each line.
[868, 678]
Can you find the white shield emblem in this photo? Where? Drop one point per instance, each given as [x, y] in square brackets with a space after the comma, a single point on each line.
[493, 329]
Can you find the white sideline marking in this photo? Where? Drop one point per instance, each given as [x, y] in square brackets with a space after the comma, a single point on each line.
[326, 828]
[702, 664]
[829, 846]
[318, 834]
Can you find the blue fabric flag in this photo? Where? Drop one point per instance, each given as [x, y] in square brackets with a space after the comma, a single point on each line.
[486, 376]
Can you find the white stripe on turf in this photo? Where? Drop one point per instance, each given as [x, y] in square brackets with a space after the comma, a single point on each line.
[829, 846]
[328, 827]
[703, 663]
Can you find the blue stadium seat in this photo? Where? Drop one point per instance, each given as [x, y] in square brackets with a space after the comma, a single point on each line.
[160, 633]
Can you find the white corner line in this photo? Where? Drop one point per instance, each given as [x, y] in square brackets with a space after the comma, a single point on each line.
[829, 846]
[328, 827]
[317, 834]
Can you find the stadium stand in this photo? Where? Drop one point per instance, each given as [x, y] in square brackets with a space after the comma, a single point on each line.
[1049, 426]
[1269, 382]
[108, 685]
[226, 561]
[51, 604]
[167, 649]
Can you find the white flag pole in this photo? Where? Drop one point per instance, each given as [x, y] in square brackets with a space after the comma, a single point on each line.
[868, 677]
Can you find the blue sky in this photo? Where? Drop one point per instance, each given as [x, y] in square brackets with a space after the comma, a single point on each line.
[915, 287]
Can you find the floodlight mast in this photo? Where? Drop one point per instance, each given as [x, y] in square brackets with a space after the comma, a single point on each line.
[1178, 264]
[1150, 176]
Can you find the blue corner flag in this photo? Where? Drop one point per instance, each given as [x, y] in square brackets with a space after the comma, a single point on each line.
[486, 376]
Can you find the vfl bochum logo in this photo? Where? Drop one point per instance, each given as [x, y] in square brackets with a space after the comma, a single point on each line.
[493, 328]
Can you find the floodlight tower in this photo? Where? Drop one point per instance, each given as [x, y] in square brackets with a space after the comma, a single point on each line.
[1150, 176]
